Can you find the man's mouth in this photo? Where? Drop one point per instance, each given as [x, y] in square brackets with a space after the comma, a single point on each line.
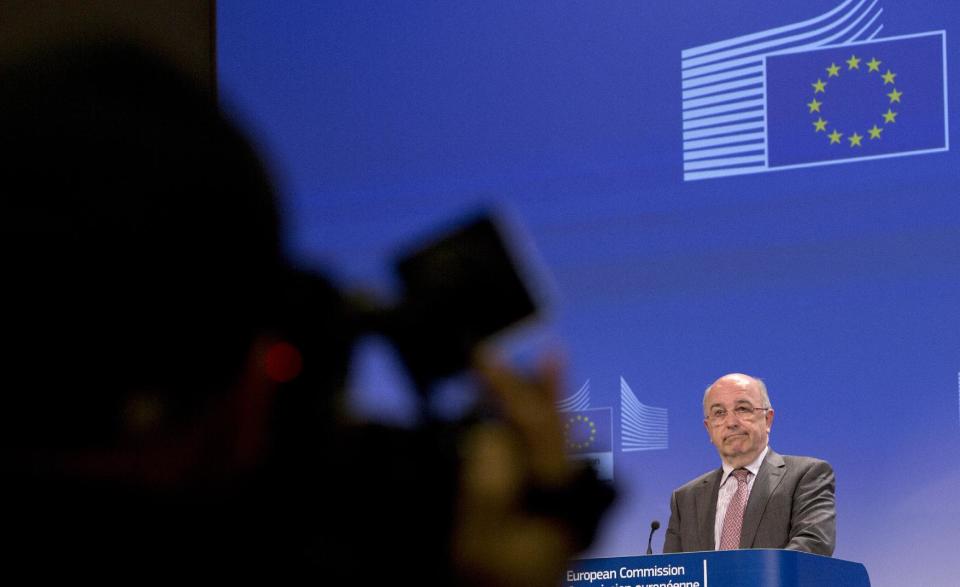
[734, 436]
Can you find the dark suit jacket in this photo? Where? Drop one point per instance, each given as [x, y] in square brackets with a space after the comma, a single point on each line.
[791, 506]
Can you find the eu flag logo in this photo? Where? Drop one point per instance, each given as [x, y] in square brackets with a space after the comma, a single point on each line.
[588, 431]
[868, 100]
[589, 438]
[816, 92]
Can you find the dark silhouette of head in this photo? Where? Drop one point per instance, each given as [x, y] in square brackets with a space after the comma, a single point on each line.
[140, 246]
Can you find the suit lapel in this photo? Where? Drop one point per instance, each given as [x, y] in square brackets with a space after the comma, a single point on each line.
[706, 501]
[768, 478]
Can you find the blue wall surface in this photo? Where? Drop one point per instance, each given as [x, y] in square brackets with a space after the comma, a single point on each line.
[839, 284]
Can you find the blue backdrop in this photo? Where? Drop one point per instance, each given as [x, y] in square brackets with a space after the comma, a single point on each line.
[665, 161]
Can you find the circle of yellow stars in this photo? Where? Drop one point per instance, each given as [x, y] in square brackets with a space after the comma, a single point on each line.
[579, 420]
[820, 87]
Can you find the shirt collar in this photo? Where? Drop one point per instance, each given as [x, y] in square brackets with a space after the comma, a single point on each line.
[753, 467]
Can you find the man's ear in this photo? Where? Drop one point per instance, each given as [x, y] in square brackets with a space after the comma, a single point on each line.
[769, 420]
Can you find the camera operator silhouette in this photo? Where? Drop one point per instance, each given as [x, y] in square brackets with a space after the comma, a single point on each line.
[171, 404]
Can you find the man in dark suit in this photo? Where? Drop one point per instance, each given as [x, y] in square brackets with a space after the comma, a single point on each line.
[758, 498]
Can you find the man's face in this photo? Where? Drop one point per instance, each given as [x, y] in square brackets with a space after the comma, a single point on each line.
[739, 438]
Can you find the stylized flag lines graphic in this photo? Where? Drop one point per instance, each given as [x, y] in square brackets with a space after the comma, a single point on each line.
[739, 95]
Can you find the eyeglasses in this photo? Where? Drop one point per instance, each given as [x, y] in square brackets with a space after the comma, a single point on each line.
[718, 415]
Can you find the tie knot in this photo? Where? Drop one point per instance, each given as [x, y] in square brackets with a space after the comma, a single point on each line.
[741, 475]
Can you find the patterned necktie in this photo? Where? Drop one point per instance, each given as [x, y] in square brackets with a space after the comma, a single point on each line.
[733, 520]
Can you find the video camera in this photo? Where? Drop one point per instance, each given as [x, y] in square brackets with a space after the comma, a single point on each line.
[459, 287]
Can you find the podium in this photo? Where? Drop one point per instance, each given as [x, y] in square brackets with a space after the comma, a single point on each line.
[727, 568]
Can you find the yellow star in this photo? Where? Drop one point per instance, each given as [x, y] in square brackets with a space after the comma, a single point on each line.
[889, 116]
[853, 62]
[888, 77]
[814, 106]
[875, 132]
[874, 65]
[835, 137]
[855, 140]
[819, 125]
[894, 95]
[820, 86]
[833, 70]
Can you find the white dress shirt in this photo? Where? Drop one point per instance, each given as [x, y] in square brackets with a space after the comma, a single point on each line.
[728, 489]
